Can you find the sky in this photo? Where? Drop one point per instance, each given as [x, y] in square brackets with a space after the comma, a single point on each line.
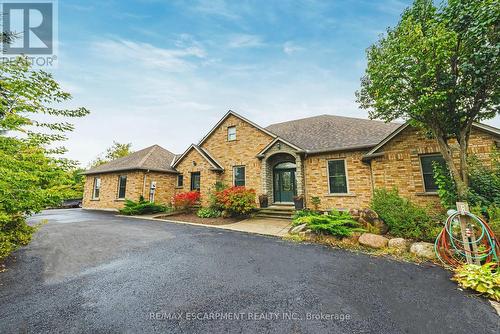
[164, 72]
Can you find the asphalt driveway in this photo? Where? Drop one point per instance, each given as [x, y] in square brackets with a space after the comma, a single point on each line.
[93, 272]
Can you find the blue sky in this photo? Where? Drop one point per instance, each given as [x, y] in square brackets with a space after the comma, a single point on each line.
[164, 72]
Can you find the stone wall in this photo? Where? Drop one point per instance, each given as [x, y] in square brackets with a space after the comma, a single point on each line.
[400, 165]
[138, 183]
[193, 161]
[358, 181]
[108, 194]
[240, 152]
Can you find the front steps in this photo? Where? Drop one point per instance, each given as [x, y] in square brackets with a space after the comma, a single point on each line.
[277, 211]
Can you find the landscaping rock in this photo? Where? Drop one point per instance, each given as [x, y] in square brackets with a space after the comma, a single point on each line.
[297, 229]
[369, 215]
[380, 225]
[398, 243]
[423, 249]
[373, 240]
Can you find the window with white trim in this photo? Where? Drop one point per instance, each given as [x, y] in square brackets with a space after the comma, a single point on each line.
[239, 176]
[337, 177]
[427, 162]
[122, 186]
[231, 133]
[97, 187]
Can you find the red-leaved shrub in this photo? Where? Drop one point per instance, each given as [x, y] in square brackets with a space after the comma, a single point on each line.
[236, 200]
[185, 201]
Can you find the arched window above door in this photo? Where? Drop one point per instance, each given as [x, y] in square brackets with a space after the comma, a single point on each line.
[285, 165]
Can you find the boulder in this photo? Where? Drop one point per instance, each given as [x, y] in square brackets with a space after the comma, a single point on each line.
[423, 249]
[354, 213]
[380, 225]
[398, 243]
[298, 228]
[369, 215]
[373, 240]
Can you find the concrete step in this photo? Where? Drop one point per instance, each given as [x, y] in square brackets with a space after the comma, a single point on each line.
[280, 207]
[274, 216]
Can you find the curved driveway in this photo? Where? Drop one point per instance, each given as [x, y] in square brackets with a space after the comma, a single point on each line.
[94, 272]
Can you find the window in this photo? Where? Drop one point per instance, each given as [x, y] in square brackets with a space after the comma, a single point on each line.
[337, 178]
[180, 180]
[231, 133]
[122, 186]
[195, 181]
[97, 188]
[427, 162]
[239, 176]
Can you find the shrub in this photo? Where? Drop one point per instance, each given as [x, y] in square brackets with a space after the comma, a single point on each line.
[208, 213]
[404, 218]
[484, 279]
[484, 188]
[236, 200]
[186, 200]
[142, 207]
[336, 223]
[316, 201]
[14, 233]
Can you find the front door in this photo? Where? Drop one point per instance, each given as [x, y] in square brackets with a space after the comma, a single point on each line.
[284, 185]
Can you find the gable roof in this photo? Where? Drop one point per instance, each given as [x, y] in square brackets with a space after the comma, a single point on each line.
[229, 113]
[326, 133]
[487, 128]
[153, 158]
[204, 153]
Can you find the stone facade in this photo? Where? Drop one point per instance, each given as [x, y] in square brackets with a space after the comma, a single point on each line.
[396, 164]
[138, 183]
[358, 181]
[240, 152]
[193, 162]
[400, 164]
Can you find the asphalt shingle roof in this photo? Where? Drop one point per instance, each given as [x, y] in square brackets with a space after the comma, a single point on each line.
[329, 132]
[154, 158]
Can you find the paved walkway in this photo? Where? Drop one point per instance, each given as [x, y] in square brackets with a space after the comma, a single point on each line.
[264, 226]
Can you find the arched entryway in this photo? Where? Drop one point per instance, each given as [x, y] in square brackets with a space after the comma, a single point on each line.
[284, 182]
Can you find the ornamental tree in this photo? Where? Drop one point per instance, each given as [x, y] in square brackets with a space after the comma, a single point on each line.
[439, 70]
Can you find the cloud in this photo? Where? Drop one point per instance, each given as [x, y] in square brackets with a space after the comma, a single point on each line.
[174, 60]
[244, 41]
[217, 8]
[290, 47]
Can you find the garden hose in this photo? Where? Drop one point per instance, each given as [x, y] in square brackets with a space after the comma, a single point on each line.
[453, 251]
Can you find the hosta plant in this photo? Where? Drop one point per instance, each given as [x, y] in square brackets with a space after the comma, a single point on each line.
[484, 279]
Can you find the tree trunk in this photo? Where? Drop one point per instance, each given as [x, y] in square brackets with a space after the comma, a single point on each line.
[456, 173]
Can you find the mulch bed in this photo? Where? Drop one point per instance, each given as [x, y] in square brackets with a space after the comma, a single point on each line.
[193, 218]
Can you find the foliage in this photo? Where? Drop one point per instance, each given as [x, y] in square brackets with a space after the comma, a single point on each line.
[236, 201]
[208, 213]
[316, 201]
[336, 223]
[212, 197]
[484, 187]
[438, 68]
[186, 200]
[404, 218]
[13, 234]
[142, 207]
[302, 213]
[31, 179]
[116, 151]
[484, 279]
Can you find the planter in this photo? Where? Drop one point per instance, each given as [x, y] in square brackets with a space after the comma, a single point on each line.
[299, 202]
[263, 201]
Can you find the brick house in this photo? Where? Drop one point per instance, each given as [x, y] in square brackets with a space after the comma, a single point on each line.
[341, 160]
